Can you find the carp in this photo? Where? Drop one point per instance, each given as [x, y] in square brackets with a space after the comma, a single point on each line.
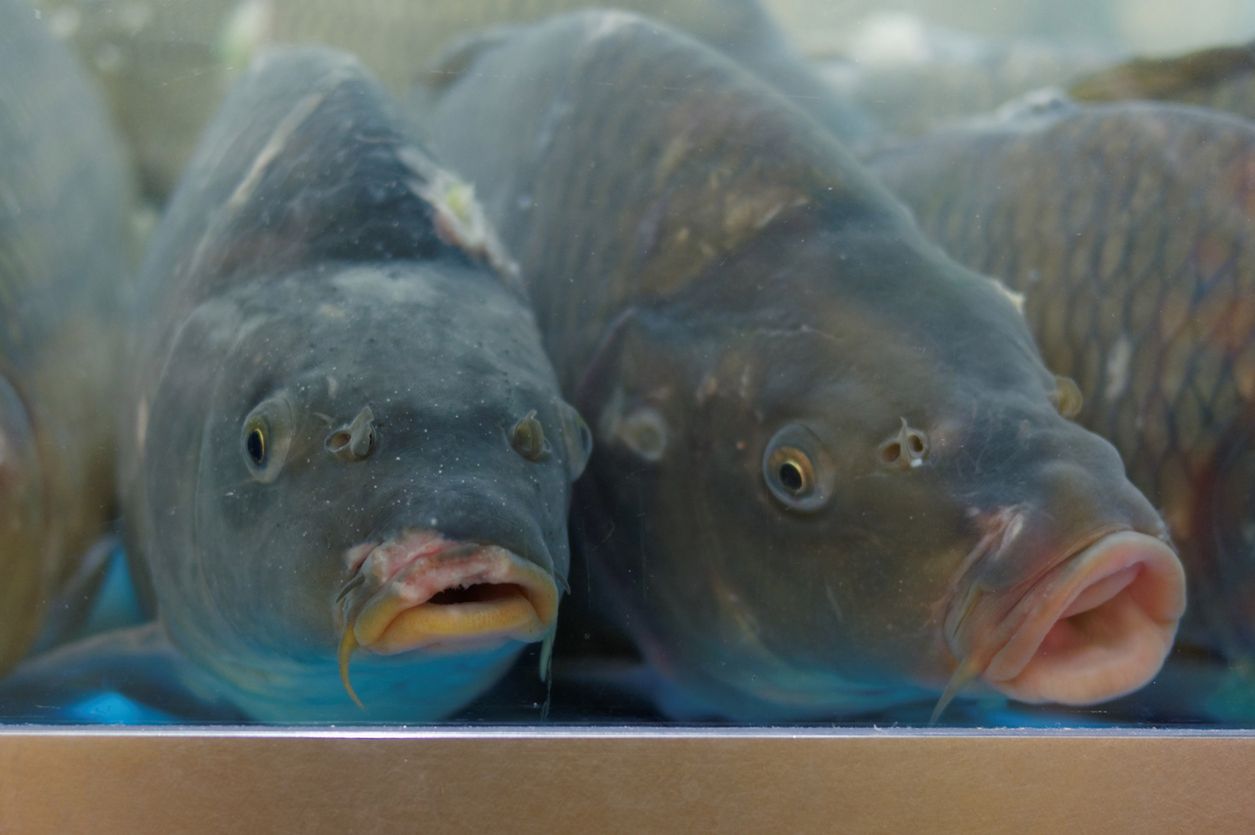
[347, 467]
[1130, 229]
[830, 473]
[1222, 78]
[166, 64]
[66, 253]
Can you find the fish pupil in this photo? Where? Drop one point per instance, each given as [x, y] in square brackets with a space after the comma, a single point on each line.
[255, 445]
[791, 477]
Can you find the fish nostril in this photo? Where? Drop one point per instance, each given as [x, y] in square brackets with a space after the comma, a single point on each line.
[355, 441]
[905, 450]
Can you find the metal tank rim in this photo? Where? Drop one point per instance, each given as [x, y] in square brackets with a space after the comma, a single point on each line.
[627, 779]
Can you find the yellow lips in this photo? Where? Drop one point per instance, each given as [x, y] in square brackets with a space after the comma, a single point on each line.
[422, 592]
[515, 601]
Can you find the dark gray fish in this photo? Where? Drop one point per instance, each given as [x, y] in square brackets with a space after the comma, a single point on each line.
[65, 251]
[166, 64]
[346, 441]
[1130, 229]
[1222, 78]
[831, 475]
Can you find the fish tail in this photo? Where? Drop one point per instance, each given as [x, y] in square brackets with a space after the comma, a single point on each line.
[347, 644]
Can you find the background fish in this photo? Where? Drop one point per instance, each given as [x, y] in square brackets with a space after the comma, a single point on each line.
[347, 466]
[65, 249]
[830, 473]
[910, 76]
[1222, 78]
[1131, 231]
[166, 64]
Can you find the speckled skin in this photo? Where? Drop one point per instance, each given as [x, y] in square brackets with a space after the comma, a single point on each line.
[166, 64]
[1131, 231]
[65, 250]
[303, 269]
[1222, 79]
[716, 278]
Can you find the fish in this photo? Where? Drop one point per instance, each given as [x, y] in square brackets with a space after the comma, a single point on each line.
[347, 467]
[66, 254]
[830, 472]
[1130, 229]
[910, 76]
[1221, 78]
[166, 64]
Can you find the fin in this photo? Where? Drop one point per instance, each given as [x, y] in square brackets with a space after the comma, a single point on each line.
[1166, 78]
[130, 675]
[97, 597]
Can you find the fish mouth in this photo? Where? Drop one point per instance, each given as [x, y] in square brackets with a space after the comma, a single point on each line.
[1097, 626]
[423, 591]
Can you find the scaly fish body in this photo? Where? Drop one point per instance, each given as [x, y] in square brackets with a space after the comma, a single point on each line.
[830, 474]
[346, 467]
[1131, 231]
[1222, 79]
[166, 64]
[64, 252]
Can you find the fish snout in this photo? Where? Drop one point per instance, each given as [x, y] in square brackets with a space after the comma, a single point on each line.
[424, 591]
[1094, 628]
[1074, 593]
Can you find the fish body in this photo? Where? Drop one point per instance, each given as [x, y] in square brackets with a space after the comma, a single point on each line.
[65, 252]
[1222, 78]
[166, 64]
[910, 77]
[830, 474]
[1130, 230]
[346, 465]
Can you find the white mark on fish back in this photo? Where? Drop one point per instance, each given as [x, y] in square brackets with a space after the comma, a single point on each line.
[141, 423]
[283, 132]
[1118, 367]
[606, 24]
[1016, 299]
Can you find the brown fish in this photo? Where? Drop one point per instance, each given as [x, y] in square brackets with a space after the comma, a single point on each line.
[65, 250]
[830, 475]
[166, 64]
[1222, 79]
[1130, 229]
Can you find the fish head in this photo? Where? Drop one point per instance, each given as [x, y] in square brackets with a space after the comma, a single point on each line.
[866, 493]
[383, 465]
[22, 526]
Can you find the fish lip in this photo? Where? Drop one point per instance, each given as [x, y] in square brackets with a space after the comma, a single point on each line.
[1139, 572]
[387, 602]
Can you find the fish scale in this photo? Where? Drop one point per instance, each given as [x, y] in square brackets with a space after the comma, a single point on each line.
[1134, 243]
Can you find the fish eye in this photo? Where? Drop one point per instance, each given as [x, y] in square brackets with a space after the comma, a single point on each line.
[528, 437]
[265, 439]
[797, 469]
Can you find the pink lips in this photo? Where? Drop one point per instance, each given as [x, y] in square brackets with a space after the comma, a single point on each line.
[1094, 628]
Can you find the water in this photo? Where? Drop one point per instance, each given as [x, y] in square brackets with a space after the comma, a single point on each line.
[371, 319]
